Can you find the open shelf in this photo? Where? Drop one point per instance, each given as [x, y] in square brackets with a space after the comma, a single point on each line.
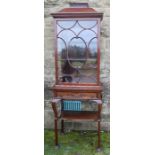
[80, 115]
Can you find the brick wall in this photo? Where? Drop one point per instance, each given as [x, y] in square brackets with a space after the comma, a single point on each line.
[54, 6]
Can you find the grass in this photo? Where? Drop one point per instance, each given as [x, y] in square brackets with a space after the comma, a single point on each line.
[76, 143]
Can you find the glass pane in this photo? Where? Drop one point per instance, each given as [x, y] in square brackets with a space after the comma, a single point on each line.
[94, 29]
[66, 35]
[93, 48]
[59, 29]
[87, 35]
[85, 74]
[66, 71]
[77, 52]
[62, 51]
[66, 24]
[77, 49]
[77, 28]
[77, 55]
[87, 24]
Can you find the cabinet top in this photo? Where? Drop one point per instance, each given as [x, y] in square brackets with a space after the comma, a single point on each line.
[77, 13]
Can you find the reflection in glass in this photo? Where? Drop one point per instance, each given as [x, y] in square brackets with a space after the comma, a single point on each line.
[94, 29]
[67, 68]
[67, 35]
[77, 28]
[87, 24]
[59, 29]
[87, 35]
[93, 48]
[66, 24]
[77, 49]
[85, 74]
[77, 52]
[62, 51]
[77, 55]
[65, 71]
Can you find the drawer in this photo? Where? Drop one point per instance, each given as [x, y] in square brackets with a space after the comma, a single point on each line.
[71, 95]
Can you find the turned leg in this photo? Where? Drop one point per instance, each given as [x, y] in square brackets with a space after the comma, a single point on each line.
[62, 126]
[53, 103]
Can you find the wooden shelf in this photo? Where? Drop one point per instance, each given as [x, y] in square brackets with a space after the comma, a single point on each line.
[80, 115]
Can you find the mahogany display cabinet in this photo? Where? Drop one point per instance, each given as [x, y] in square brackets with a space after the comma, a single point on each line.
[77, 67]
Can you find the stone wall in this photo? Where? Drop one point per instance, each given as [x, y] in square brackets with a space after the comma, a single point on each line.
[98, 5]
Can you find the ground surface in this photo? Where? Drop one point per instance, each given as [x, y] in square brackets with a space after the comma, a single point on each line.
[76, 143]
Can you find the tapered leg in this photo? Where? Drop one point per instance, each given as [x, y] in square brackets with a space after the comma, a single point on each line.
[62, 126]
[56, 131]
[99, 137]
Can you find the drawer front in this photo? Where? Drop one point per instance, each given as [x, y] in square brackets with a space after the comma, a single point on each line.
[71, 95]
